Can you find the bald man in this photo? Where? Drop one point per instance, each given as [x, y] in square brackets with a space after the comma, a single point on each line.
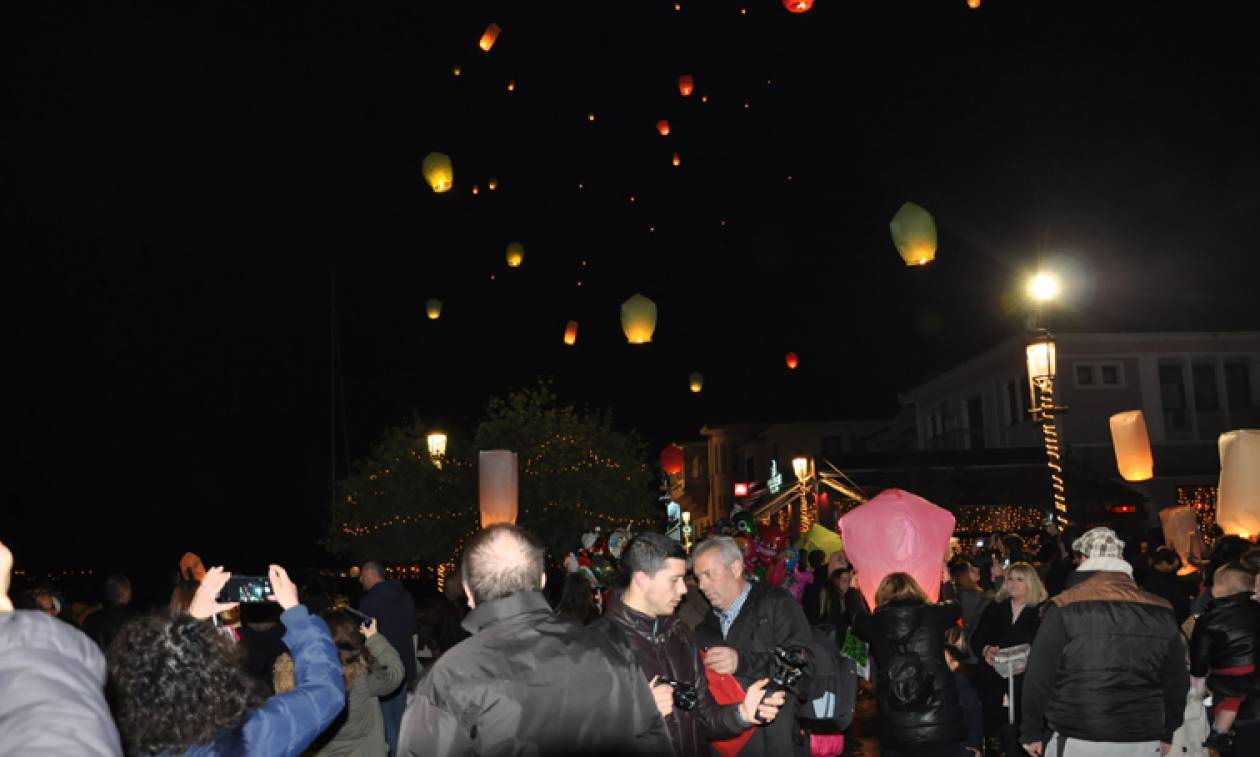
[528, 681]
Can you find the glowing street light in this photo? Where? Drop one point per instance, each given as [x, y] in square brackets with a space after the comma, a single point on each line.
[437, 447]
[1044, 287]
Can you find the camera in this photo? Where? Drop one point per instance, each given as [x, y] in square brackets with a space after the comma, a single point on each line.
[685, 696]
[789, 666]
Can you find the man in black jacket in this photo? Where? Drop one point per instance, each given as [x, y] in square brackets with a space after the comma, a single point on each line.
[528, 681]
[1107, 672]
[642, 621]
[395, 613]
[747, 623]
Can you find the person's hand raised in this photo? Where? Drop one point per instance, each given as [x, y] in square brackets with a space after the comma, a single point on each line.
[368, 628]
[6, 574]
[754, 710]
[283, 591]
[205, 603]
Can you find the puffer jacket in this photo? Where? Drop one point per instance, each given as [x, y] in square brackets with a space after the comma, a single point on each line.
[667, 647]
[919, 628]
[1108, 664]
[1225, 635]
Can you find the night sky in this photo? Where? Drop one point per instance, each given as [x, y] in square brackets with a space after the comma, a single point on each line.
[191, 187]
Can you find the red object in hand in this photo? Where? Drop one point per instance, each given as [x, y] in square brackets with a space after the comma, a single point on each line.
[726, 690]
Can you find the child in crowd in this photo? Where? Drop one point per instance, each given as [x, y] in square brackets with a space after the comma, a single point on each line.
[1224, 644]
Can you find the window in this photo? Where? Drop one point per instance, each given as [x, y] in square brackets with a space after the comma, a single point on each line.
[1014, 412]
[1084, 375]
[1206, 398]
[1237, 386]
[1025, 394]
[1172, 392]
[1110, 373]
[1099, 375]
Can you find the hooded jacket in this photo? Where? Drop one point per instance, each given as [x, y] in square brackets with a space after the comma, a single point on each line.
[667, 647]
[531, 682]
[395, 613]
[919, 628]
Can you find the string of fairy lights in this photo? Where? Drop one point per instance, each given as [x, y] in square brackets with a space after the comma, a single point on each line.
[1201, 499]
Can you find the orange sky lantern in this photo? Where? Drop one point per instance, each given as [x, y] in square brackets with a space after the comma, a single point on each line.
[973, 4]
[801, 6]
[677, 159]
[662, 126]
[489, 36]
[686, 85]
[791, 360]
[570, 333]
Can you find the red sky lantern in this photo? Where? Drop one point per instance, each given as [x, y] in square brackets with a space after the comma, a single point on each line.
[686, 85]
[662, 126]
[672, 459]
[801, 6]
[792, 360]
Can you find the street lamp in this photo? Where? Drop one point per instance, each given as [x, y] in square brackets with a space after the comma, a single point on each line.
[804, 478]
[437, 447]
[1042, 368]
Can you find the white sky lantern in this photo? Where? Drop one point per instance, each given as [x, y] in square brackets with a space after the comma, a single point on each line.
[498, 485]
[638, 319]
[1132, 445]
[1181, 532]
[914, 234]
[1238, 495]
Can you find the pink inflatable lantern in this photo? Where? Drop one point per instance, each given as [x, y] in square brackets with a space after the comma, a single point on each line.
[897, 532]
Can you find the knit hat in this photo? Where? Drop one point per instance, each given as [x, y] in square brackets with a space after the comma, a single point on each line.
[1100, 542]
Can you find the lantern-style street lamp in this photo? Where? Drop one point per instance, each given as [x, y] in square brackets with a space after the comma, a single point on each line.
[1040, 356]
[437, 447]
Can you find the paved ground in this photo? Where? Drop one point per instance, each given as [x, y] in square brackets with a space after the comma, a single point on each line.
[863, 740]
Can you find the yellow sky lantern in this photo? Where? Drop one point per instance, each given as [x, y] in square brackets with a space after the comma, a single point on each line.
[438, 171]
[696, 382]
[489, 36]
[638, 319]
[1238, 490]
[914, 233]
[570, 333]
[433, 309]
[492, 184]
[1132, 446]
[515, 254]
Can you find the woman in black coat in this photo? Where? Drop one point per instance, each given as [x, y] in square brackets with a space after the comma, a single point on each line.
[841, 602]
[907, 634]
[1012, 619]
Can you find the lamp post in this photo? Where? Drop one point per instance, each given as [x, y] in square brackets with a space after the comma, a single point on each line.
[437, 447]
[803, 468]
[1040, 355]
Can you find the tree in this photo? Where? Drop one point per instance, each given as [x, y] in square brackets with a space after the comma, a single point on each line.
[576, 471]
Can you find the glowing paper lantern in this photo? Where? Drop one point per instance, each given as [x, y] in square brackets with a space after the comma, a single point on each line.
[677, 161]
[433, 309]
[438, 171]
[489, 36]
[696, 382]
[791, 360]
[493, 184]
[686, 85]
[570, 333]
[662, 127]
[799, 6]
[497, 486]
[1132, 445]
[672, 459]
[914, 232]
[515, 254]
[1181, 532]
[897, 532]
[973, 4]
[638, 319]
[1238, 493]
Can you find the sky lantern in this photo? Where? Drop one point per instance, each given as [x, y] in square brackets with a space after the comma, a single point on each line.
[662, 127]
[791, 360]
[801, 6]
[696, 382]
[497, 486]
[1132, 445]
[897, 532]
[1238, 493]
[1181, 532]
[973, 4]
[489, 36]
[515, 254]
[914, 232]
[638, 319]
[433, 309]
[677, 159]
[438, 171]
[672, 459]
[570, 333]
[492, 184]
[686, 85]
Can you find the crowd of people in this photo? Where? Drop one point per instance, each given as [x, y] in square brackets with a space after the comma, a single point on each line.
[1082, 646]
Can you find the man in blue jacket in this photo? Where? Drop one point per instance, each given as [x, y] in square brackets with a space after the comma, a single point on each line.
[395, 614]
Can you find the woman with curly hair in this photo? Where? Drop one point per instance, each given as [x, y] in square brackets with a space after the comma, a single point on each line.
[179, 689]
[371, 668]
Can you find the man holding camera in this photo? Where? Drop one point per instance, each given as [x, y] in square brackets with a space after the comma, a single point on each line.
[642, 621]
[748, 622]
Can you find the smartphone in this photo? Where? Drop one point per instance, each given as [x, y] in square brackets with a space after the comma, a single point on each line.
[249, 589]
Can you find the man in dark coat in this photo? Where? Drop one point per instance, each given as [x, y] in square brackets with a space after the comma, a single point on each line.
[395, 613]
[641, 620]
[528, 681]
[1162, 581]
[1107, 671]
[747, 623]
[103, 624]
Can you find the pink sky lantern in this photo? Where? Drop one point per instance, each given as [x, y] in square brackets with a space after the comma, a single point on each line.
[897, 532]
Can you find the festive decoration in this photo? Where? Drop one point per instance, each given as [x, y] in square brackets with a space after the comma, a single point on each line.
[822, 539]
[492, 184]
[498, 485]
[570, 333]
[791, 360]
[638, 319]
[914, 233]
[1181, 532]
[798, 6]
[1238, 493]
[515, 254]
[489, 37]
[672, 459]
[686, 85]
[662, 127]
[438, 171]
[696, 382]
[1132, 446]
[897, 531]
[988, 519]
[1202, 499]
[677, 160]
[433, 309]
[973, 4]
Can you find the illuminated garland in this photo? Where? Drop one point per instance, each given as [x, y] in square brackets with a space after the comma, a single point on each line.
[1203, 500]
[985, 519]
[1053, 461]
